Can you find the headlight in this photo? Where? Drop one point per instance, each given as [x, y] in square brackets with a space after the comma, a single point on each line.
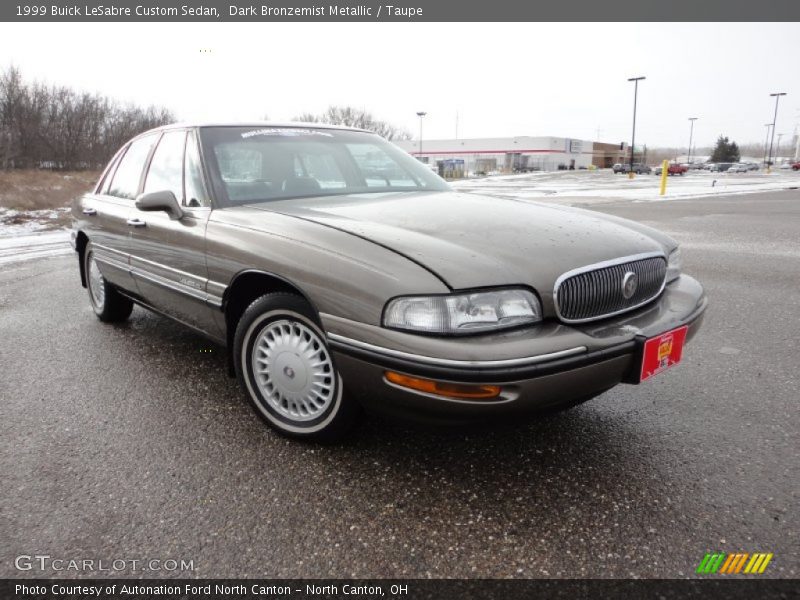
[462, 314]
[674, 265]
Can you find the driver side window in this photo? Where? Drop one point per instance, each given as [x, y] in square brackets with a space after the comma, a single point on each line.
[166, 167]
[125, 183]
[196, 194]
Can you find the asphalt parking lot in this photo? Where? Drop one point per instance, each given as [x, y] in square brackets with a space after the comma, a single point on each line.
[130, 442]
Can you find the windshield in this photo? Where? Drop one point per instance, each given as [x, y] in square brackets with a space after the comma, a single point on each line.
[256, 164]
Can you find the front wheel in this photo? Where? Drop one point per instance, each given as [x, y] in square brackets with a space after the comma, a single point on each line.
[286, 368]
[108, 304]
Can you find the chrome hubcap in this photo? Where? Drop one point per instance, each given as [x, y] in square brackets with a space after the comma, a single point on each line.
[97, 285]
[293, 370]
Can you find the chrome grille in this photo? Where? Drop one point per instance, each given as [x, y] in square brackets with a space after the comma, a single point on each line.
[595, 292]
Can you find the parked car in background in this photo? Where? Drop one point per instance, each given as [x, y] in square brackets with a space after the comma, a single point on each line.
[672, 169]
[786, 165]
[752, 166]
[721, 167]
[738, 168]
[709, 166]
[796, 166]
[340, 273]
[638, 168]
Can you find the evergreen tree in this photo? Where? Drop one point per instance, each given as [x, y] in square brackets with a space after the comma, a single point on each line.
[733, 152]
[725, 151]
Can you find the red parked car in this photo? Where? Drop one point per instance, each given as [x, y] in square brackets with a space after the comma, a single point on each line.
[673, 169]
[796, 166]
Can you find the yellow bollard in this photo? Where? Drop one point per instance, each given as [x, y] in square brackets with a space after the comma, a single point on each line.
[664, 174]
[630, 174]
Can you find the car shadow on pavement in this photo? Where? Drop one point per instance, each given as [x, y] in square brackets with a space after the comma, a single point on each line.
[604, 457]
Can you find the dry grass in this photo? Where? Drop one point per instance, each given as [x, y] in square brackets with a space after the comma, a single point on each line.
[32, 189]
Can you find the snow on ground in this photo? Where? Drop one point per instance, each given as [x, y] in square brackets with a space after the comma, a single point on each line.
[25, 245]
[27, 234]
[19, 222]
[598, 187]
[24, 234]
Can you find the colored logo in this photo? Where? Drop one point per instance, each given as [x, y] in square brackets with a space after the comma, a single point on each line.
[731, 564]
[664, 349]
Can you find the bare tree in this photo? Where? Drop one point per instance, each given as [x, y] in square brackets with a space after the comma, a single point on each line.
[355, 117]
[11, 94]
[57, 127]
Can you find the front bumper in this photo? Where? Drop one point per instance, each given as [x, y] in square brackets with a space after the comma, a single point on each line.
[545, 366]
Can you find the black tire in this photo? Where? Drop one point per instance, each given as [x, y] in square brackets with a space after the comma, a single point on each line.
[108, 304]
[298, 413]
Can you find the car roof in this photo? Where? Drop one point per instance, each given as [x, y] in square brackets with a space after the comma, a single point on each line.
[283, 125]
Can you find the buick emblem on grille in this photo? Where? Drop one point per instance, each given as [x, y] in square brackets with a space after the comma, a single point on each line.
[609, 288]
[630, 281]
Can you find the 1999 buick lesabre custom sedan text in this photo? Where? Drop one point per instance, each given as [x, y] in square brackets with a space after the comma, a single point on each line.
[341, 273]
[101, 10]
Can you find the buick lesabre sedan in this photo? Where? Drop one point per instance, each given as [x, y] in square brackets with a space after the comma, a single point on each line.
[342, 274]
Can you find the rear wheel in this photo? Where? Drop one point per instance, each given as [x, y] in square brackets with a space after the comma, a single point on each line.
[287, 371]
[108, 304]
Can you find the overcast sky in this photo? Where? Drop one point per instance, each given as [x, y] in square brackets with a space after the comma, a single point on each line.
[502, 79]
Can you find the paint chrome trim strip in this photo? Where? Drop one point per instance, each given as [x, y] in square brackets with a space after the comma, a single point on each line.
[175, 286]
[447, 362]
[112, 262]
[110, 250]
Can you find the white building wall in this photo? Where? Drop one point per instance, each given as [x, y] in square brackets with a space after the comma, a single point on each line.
[543, 153]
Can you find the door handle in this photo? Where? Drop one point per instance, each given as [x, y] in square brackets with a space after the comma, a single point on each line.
[136, 223]
[89, 211]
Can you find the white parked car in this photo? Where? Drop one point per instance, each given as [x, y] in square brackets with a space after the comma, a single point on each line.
[738, 168]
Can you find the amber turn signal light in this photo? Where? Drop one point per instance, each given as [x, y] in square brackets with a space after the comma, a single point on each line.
[440, 388]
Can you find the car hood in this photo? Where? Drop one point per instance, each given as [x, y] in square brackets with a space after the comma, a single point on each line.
[474, 241]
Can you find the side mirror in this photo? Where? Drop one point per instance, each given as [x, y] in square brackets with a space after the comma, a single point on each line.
[163, 200]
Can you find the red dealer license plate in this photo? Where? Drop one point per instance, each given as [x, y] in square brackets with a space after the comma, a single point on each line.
[662, 352]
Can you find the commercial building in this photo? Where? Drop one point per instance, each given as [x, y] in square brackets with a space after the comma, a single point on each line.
[515, 154]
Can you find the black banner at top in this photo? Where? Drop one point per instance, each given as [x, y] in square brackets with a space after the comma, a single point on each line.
[398, 10]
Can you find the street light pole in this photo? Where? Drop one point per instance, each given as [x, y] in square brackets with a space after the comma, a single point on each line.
[774, 119]
[766, 142]
[778, 146]
[796, 137]
[420, 114]
[635, 81]
[691, 131]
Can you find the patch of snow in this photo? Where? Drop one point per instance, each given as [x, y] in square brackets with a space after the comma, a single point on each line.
[20, 222]
[28, 246]
[596, 187]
